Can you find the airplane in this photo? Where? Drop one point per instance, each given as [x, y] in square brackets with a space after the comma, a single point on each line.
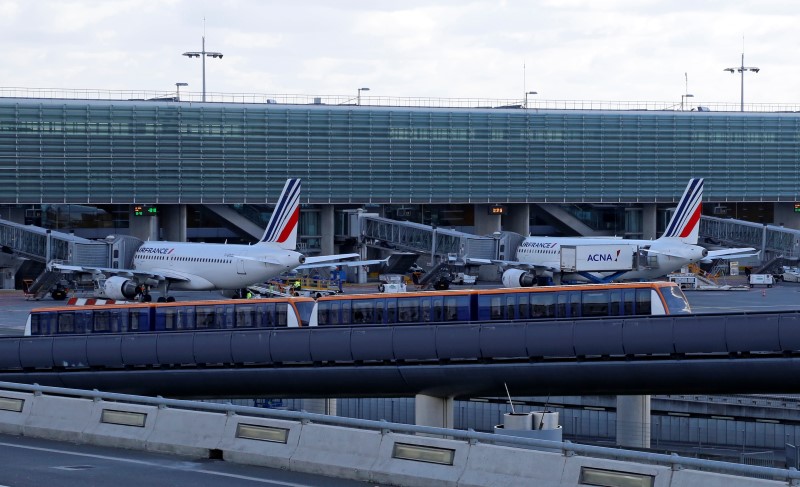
[192, 266]
[677, 247]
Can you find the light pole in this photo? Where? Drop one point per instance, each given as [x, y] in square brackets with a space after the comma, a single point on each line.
[526, 97]
[742, 69]
[684, 97]
[178, 90]
[202, 54]
[358, 102]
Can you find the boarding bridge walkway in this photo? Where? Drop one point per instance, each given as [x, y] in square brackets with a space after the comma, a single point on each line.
[442, 243]
[772, 240]
[675, 354]
[42, 245]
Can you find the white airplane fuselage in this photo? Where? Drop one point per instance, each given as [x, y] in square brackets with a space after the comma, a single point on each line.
[215, 266]
[666, 255]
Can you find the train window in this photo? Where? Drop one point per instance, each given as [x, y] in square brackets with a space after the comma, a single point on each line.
[334, 314]
[345, 316]
[170, 320]
[304, 309]
[643, 304]
[574, 304]
[615, 302]
[523, 310]
[676, 300]
[36, 324]
[425, 310]
[561, 308]
[496, 307]
[137, 320]
[206, 317]
[378, 310]
[322, 313]
[102, 322]
[438, 312]
[628, 302]
[66, 323]
[407, 310]
[484, 308]
[391, 310]
[595, 303]
[245, 316]
[451, 308]
[225, 316]
[267, 315]
[511, 304]
[362, 311]
[543, 305]
[281, 313]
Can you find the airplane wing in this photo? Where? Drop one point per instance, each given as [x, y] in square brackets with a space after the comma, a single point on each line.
[346, 263]
[514, 264]
[731, 254]
[129, 273]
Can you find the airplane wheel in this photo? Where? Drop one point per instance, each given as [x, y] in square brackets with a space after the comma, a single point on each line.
[170, 299]
[161, 299]
[147, 298]
[58, 295]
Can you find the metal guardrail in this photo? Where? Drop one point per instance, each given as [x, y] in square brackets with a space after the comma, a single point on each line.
[383, 101]
[566, 448]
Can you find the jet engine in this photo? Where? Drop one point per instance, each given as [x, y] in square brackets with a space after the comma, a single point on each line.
[120, 288]
[518, 278]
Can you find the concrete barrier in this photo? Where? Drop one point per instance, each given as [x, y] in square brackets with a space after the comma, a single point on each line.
[507, 466]
[693, 478]
[186, 432]
[335, 451]
[413, 473]
[15, 407]
[250, 451]
[59, 418]
[115, 424]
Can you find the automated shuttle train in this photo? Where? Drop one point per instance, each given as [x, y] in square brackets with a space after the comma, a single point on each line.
[505, 304]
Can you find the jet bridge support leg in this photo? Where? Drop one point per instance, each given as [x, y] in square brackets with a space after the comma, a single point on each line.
[433, 411]
[633, 421]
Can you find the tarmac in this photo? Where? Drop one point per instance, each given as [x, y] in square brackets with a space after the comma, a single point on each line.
[783, 296]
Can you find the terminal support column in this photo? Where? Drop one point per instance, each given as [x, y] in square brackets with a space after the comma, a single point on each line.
[327, 229]
[433, 411]
[173, 221]
[518, 219]
[486, 224]
[649, 221]
[633, 421]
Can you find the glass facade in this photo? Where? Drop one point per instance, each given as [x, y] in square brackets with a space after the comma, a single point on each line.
[55, 151]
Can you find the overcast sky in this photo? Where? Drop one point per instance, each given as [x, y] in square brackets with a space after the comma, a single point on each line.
[637, 50]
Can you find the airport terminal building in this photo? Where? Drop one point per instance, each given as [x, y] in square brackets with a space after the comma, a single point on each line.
[101, 165]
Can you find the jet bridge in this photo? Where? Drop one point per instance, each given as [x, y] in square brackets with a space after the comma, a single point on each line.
[772, 240]
[41, 245]
[442, 243]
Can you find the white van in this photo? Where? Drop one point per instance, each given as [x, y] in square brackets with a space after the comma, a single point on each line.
[766, 279]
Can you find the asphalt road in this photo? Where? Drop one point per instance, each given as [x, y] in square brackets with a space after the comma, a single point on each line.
[33, 462]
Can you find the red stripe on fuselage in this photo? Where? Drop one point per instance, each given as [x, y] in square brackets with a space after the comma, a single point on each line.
[287, 230]
[693, 222]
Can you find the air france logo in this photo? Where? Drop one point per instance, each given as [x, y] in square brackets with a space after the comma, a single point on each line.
[539, 245]
[603, 257]
[156, 250]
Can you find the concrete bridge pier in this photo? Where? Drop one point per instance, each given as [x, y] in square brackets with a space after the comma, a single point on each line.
[633, 421]
[433, 411]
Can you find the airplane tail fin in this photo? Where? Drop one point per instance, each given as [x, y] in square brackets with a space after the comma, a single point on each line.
[685, 222]
[282, 226]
